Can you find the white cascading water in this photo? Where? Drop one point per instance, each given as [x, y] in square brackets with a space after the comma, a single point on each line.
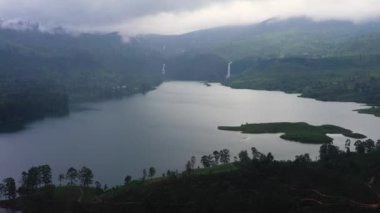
[229, 70]
[163, 69]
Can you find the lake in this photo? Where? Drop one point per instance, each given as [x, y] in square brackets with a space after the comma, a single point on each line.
[165, 127]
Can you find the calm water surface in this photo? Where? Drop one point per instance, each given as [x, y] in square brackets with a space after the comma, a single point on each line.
[165, 127]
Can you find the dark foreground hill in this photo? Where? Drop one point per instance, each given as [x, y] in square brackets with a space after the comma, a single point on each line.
[337, 182]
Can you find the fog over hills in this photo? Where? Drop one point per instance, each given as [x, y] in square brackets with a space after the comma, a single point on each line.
[65, 55]
[275, 38]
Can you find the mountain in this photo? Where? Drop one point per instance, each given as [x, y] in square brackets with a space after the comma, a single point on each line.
[330, 60]
[85, 63]
[41, 71]
[275, 38]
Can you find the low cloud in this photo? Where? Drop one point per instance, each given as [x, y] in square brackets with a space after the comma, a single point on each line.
[132, 17]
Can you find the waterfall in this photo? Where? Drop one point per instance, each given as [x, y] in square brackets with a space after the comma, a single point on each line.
[163, 69]
[229, 70]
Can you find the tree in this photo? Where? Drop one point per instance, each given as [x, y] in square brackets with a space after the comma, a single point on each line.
[348, 143]
[207, 161]
[61, 177]
[243, 157]
[34, 177]
[328, 152]
[369, 145]
[305, 158]
[30, 180]
[98, 186]
[72, 175]
[347, 146]
[256, 155]
[152, 172]
[188, 167]
[359, 147]
[85, 176]
[378, 145]
[364, 146]
[192, 161]
[45, 174]
[269, 157]
[9, 188]
[144, 174]
[216, 157]
[2, 190]
[224, 156]
[127, 179]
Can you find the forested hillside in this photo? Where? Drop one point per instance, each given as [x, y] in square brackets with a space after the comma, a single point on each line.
[275, 38]
[41, 73]
[350, 78]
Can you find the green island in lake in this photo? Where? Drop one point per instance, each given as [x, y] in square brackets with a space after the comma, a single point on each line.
[298, 131]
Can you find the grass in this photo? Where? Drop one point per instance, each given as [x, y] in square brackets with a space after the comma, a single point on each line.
[139, 184]
[299, 131]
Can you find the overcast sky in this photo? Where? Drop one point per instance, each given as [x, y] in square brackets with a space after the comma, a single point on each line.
[132, 17]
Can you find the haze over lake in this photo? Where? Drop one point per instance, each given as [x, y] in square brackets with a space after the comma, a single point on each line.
[165, 127]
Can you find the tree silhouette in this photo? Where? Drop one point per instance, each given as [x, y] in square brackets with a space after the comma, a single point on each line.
[188, 167]
[152, 172]
[328, 152]
[144, 174]
[256, 155]
[369, 145]
[2, 190]
[243, 157]
[192, 161]
[216, 157]
[45, 172]
[72, 175]
[61, 177]
[207, 161]
[98, 186]
[127, 179]
[9, 188]
[378, 145]
[85, 176]
[224, 156]
[269, 157]
[359, 147]
[305, 158]
[31, 180]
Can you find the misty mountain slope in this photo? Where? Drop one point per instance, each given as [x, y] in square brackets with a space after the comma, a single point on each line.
[274, 38]
[92, 57]
[84, 63]
[42, 73]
